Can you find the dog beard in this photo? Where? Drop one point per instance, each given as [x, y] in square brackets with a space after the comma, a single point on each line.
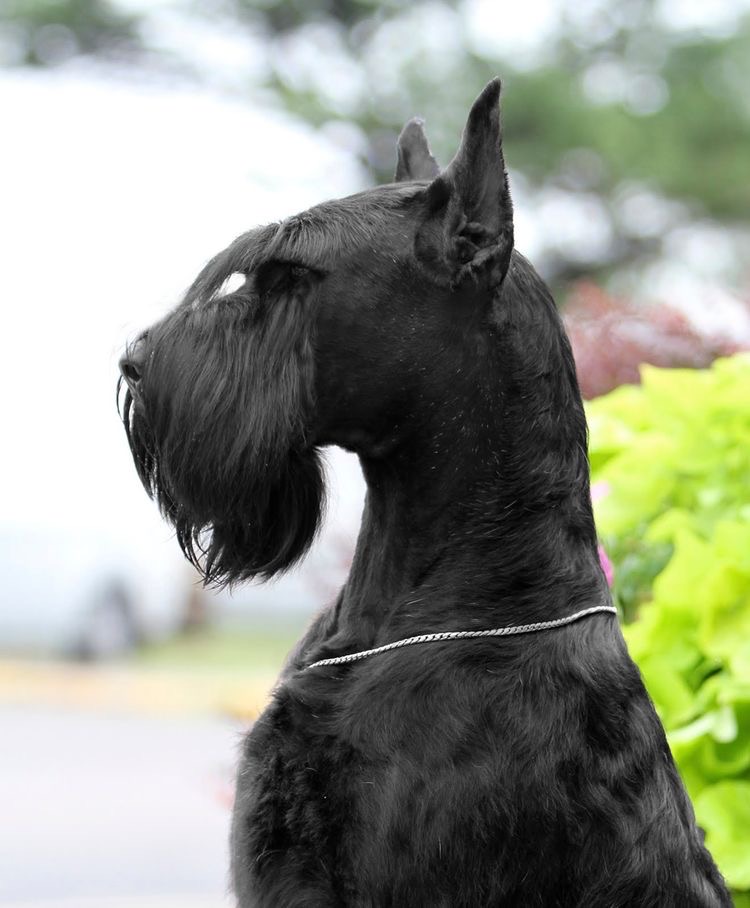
[217, 431]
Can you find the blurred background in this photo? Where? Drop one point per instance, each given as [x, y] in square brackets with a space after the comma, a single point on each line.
[138, 139]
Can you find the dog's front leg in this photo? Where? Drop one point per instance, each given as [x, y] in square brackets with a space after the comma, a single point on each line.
[279, 841]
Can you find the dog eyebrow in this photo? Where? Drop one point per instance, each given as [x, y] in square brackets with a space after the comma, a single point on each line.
[300, 238]
[242, 255]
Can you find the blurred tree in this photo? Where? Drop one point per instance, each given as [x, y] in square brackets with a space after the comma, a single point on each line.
[631, 117]
[49, 32]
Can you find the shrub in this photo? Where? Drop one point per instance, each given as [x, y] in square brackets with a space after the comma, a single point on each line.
[674, 458]
[612, 337]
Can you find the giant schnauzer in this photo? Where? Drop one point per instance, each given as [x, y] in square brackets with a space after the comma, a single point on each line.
[521, 767]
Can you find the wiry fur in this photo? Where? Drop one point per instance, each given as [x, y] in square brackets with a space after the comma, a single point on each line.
[400, 323]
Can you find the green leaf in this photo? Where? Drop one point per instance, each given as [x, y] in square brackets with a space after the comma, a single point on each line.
[723, 810]
[666, 526]
[674, 700]
[680, 582]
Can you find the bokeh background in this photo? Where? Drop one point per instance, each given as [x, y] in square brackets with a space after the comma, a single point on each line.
[140, 138]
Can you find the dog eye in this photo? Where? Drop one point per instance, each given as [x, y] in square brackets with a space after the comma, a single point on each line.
[292, 270]
[277, 276]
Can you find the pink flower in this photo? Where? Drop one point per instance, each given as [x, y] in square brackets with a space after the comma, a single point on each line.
[609, 571]
[600, 490]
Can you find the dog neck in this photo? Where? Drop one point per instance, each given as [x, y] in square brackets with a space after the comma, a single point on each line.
[484, 521]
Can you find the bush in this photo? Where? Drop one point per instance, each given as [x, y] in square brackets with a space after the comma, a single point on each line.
[673, 456]
[612, 337]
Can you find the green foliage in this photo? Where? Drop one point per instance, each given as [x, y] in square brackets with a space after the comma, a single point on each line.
[288, 15]
[675, 456]
[48, 32]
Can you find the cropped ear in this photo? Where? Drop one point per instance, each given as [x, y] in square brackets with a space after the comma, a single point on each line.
[415, 161]
[469, 229]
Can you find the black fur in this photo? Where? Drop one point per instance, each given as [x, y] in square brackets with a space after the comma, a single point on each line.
[401, 324]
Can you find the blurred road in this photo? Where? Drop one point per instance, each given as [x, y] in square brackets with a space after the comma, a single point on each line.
[114, 811]
[127, 687]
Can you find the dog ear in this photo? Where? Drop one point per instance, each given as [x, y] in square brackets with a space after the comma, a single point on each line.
[415, 160]
[470, 201]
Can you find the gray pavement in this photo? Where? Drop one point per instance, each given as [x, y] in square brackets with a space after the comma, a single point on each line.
[114, 811]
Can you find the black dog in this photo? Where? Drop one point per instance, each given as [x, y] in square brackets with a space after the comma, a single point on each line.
[400, 323]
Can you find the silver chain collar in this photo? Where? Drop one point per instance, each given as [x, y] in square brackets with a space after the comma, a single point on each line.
[465, 635]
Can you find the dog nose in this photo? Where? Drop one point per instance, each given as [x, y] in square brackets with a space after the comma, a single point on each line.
[131, 364]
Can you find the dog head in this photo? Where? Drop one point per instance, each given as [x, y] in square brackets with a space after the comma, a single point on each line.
[325, 328]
